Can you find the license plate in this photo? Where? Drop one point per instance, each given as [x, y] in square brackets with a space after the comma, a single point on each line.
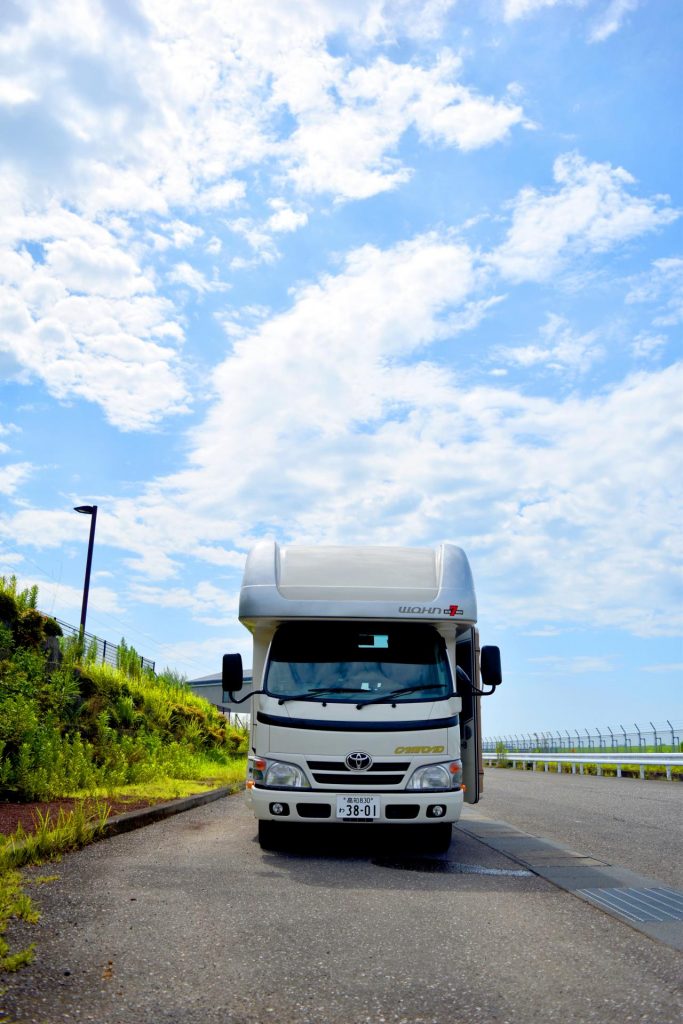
[357, 808]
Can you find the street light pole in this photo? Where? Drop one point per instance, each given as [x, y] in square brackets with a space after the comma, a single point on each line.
[88, 510]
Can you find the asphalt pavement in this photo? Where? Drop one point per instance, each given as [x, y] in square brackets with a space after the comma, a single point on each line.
[187, 920]
[637, 824]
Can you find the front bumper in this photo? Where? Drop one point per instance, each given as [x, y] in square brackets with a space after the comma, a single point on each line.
[396, 808]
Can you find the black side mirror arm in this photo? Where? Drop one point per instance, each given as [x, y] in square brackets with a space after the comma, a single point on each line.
[241, 700]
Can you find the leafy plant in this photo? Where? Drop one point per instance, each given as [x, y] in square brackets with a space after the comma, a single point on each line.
[51, 627]
[23, 599]
[501, 754]
[9, 613]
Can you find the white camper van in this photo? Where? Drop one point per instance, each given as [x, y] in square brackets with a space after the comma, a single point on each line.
[367, 678]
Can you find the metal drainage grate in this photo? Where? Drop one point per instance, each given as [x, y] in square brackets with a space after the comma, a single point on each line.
[444, 867]
[639, 905]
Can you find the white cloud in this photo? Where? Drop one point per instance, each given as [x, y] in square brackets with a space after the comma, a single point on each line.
[82, 267]
[513, 9]
[13, 93]
[198, 658]
[590, 212]
[611, 19]
[148, 120]
[177, 234]
[578, 665]
[605, 23]
[535, 486]
[347, 146]
[5, 430]
[64, 601]
[560, 350]
[352, 415]
[258, 239]
[647, 345]
[380, 444]
[185, 274]
[284, 217]
[663, 286]
[218, 197]
[12, 476]
[206, 602]
[166, 110]
[85, 319]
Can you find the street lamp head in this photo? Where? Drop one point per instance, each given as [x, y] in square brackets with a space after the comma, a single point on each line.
[85, 509]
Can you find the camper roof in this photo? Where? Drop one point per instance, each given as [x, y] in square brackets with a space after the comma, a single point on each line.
[388, 583]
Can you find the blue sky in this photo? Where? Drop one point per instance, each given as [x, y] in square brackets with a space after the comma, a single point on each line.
[373, 272]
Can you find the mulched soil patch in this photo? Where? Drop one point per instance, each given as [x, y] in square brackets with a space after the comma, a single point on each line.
[26, 815]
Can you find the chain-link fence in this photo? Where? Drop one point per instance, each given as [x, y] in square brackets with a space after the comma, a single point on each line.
[106, 651]
[612, 738]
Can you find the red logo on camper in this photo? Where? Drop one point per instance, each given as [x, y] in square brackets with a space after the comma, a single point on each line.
[453, 609]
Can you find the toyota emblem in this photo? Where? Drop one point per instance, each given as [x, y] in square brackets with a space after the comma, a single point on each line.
[358, 761]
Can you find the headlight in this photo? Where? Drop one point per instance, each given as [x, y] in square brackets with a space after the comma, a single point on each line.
[280, 774]
[437, 776]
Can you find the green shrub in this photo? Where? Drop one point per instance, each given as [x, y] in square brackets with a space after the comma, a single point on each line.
[6, 641]
[18, 719]
[9, 613]
[51, 627]
[23, 599]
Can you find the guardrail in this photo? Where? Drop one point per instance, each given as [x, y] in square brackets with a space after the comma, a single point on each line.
[667, 761]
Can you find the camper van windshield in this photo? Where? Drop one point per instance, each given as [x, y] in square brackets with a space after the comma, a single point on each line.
[358, 662]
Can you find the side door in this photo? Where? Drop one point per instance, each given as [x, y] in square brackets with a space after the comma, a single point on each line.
[467, 658]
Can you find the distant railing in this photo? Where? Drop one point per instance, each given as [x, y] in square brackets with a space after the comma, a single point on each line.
[641, 760]
[105, 651]
[653, 737]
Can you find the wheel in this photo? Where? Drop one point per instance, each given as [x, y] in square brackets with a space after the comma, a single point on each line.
[269, 835]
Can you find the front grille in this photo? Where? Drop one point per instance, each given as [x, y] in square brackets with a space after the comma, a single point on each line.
[357, 779]
[336, 773]
[340, 766]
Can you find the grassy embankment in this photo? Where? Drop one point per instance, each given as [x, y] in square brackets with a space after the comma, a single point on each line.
[73, 728]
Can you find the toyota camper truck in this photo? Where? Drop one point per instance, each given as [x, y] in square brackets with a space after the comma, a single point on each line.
[367, 676]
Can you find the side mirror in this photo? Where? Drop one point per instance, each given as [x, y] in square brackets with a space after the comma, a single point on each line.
[232, 673]
[491, 671]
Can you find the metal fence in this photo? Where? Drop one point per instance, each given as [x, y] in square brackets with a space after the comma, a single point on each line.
[106, 651]
[620, 738]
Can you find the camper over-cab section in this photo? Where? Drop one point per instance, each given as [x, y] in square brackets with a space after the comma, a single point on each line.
[357, 582]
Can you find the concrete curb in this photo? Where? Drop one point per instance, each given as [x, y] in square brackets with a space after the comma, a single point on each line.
[130, 820]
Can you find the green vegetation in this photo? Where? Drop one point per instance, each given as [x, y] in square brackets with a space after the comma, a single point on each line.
[501, 754]
[70, 727]
[47, 841]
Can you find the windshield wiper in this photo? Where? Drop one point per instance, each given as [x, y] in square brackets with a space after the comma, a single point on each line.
[323, 690]
[397, 693]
